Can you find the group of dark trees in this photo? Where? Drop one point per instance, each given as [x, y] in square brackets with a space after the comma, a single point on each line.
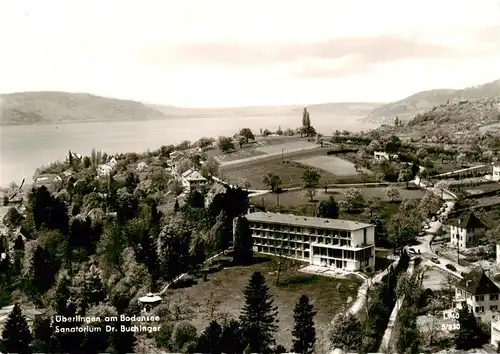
[256, 327]
[94, 245]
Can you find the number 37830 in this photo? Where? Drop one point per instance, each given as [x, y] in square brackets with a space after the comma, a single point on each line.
[450, 326]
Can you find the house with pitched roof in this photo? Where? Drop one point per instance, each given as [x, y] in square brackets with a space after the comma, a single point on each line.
[479, 293]
[193, 180]
[465, 229]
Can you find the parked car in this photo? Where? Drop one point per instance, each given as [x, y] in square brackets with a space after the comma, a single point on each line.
[435, 260]
[433, 218]
[451, 267]
[421, 233]
[412, 250]
[463, 274]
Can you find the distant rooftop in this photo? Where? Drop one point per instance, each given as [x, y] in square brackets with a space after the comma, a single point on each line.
[296, 220]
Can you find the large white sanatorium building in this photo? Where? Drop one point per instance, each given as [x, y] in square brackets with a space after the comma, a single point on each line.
[334, 243]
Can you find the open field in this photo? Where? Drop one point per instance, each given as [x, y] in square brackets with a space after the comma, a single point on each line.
[298, 201]
[292, 145]
[483, 188]
[332, 164]
[255, 148]
[239, 154]
[290, 173]
[227, 285]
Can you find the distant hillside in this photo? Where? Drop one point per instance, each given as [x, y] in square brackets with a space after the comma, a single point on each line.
[420, 102]
[454, 119]
[354, 109]
[63, 107]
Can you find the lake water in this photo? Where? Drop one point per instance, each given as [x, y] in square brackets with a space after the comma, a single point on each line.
[25, 148]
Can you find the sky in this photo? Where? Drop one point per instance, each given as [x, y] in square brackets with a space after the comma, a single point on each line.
[221, 53]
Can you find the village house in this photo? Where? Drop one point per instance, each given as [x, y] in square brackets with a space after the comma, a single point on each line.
[332, 243]
[465, 229]
[479, 293]
[496, 173]
[193, 180]
[104, 170]
[382, 155]
[112, 162]
[142, 166]
[176, 155]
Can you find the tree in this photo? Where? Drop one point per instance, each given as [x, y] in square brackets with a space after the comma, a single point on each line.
[393, 145]
[405, 175]
[364, 177]
[352, 200]
[273, 181]
[347, 333]
[204, 142]
[304, 332]
[42, 273]
[42, 335]
[210, 168]
[328, 209]
[405, 224]
[176, 206]
[210, 340]
[310, 178]
[469, 335]
[243, 253]
[13, 218]
[247, 134]
[16, 335]
[259, 315]
[225, 144]
[175, 187]
[311, 182]
[306, 119]
[241, 141]
[184, 335]
[461, 159]
[232, 337]
[392, 193]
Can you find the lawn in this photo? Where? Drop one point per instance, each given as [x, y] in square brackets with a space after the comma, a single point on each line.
[293, 145]
[332, 164]
[226, 287]
[260, 146]
[253, 172]
[298, 198]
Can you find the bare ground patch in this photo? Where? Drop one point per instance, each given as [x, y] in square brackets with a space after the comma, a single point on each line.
[227, 285]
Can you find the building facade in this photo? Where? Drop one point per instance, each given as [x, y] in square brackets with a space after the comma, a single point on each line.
[333, 243]
[496, 173]
[382, 155]
[465, 229]
[193, 180]
[478, 292]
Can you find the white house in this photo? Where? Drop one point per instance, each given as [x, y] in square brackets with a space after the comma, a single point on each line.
[332, 243]
[176, 155]
[465, 229]
[479, 293]
[382, 155]
[193, 180]
[496, 173]
[142, 166]
[104, 170]
[112, 163]
[148, 302]
[495, 334]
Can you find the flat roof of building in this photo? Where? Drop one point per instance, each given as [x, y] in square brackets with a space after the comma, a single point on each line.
[299, 220]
